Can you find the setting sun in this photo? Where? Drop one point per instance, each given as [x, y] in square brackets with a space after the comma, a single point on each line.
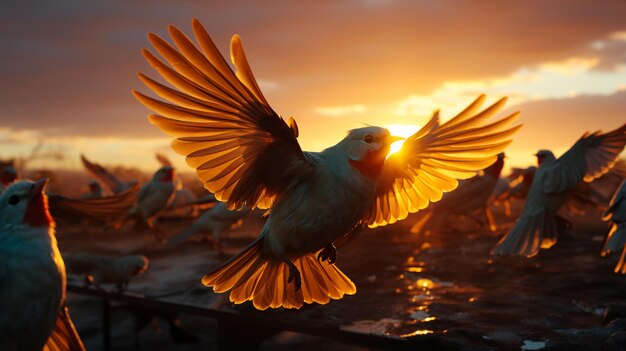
[401, 130]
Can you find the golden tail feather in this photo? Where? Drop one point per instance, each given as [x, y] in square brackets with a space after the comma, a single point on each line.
[251, 276]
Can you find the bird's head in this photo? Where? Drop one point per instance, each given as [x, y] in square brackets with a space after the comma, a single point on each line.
[8, 174]
[367, 148]
[25, 202]
[544, 156]
[164, 174]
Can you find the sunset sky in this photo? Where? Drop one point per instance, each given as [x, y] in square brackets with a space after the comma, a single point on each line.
[67, 68]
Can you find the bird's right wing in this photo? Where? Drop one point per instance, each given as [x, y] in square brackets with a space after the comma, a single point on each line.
[431, 161]
[589, 158]
[242, 151]
[104, 177]
[64, 337]
[101, 210]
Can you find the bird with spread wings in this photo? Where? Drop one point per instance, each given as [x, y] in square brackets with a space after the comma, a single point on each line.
[249, 156]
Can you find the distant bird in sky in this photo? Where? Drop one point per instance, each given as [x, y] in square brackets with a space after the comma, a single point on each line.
[32, 272]
[470, 196]
[616, 237]
[108, 181]
[537, 227]
[249, 157]
[154, 196]
[215, 221]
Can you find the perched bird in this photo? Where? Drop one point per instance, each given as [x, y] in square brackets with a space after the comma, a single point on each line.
[102, 269]
[470, 196]
[153, 197]
[95, 191]
[616, 237]
[8, 174]
[183, 202]
[249, 157]
[215, 221]
[110, 182]
[537, 227]
[32, 272]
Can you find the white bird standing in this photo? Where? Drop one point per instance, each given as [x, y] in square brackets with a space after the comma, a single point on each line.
[32, 292]
[616, 237]
[248, 156]
[216, 220]
[153, 198]
[537, 227]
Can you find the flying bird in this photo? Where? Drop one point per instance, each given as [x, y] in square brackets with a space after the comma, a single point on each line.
[32, 272]
[537, 227]
[616, 237]
[249, 157]
[108, 181]
[216, 220]
[470, 196]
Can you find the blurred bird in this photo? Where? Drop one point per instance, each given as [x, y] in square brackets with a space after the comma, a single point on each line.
[32, 293]
[102, 269]
[517, 188]
[616, 237]
[216, 221]
[95, 191]
[248, 156]
[470, 196]
[183, 202]
[590, 157]
[110, 182]
[8, 174]
[154, 197]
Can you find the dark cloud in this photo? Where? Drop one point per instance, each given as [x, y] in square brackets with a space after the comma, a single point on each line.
[69, 66]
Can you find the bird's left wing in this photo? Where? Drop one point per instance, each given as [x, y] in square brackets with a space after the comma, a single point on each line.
[64, 337]
[589, 158]
[433, 159]
[242, 151]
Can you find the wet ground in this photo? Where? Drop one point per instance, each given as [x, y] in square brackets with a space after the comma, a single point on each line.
[442, 288]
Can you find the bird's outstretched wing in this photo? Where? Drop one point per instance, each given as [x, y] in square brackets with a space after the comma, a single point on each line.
[103, 176]
[433, 159]
[242, 151]
[589, 158]
[100, 210]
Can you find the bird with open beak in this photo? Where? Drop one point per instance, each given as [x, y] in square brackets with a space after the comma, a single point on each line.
[249, 156]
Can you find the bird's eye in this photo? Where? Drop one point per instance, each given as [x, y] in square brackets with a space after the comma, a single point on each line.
[14, 200]
[368, 139]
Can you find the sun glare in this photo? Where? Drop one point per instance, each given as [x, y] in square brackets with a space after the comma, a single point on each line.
[401, 130]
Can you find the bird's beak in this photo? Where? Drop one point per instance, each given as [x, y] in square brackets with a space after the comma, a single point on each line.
[392, 138]
[39, 186]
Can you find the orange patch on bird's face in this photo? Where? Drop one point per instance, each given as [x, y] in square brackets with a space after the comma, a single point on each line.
[372, 164]
[37, 214]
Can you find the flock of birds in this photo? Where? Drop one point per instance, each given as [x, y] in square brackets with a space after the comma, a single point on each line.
[248, 158]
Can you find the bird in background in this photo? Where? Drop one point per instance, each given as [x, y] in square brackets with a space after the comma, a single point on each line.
[249, 157]
[215, 221]
[615, 239]
[103, 269]
[538, 226]
[8, 174]
[517, 187]
[95, 191]
[154, 196]
[106, 179]
[472, 195]
[184, 199]
[32, 272]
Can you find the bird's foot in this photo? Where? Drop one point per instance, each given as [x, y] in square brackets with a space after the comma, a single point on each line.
[328, 253]
[294, 274]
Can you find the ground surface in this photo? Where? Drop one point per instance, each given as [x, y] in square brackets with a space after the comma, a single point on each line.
[443, 286]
